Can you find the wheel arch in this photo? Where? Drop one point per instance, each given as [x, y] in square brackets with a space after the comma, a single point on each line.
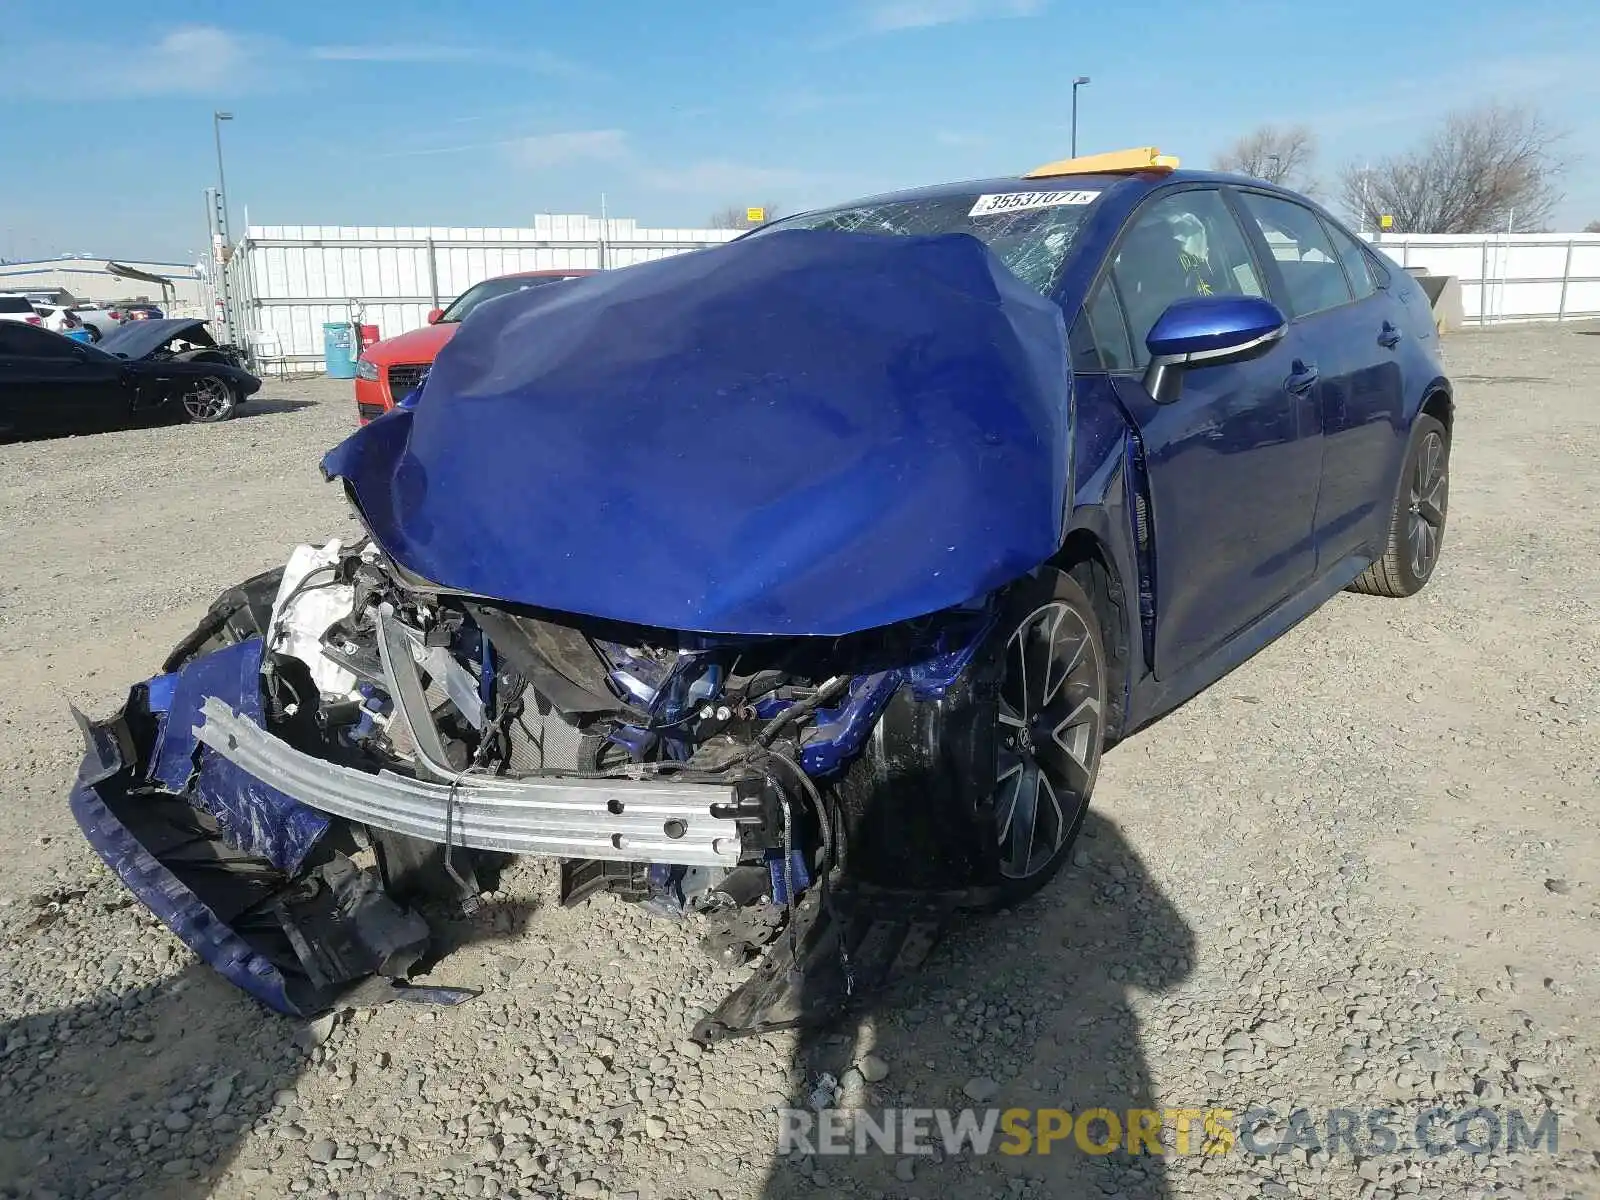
[1439, 403]
[1087, 555]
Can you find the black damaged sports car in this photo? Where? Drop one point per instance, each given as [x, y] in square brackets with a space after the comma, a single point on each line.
[141, 373]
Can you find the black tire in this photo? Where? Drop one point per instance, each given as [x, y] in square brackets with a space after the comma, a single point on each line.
[208, 400]
[927, 806]
[241, 612]
[1417, 521]
[1077, 740]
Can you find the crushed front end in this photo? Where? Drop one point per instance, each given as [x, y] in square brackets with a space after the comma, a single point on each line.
[335, 748]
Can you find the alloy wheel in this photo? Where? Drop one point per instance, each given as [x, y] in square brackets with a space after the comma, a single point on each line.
[206, 399]
[1051, 726]
[1430, 490]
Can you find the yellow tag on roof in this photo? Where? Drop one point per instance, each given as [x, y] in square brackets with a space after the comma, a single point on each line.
[1145, 158]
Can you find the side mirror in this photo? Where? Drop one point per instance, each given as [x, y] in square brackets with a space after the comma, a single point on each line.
[1207, 329]
[434, 314]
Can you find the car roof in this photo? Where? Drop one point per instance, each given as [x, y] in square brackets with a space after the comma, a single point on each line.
[544, 273]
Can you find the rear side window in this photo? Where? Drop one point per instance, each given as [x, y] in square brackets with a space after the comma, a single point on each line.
[1306, 259]
[1380, 268]
[1357, 266]
[15, 304]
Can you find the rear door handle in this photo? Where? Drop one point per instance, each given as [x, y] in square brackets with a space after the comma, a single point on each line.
[1390, 337]
[1303, 379]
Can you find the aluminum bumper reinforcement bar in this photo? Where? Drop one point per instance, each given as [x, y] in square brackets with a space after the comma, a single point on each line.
[628, 820]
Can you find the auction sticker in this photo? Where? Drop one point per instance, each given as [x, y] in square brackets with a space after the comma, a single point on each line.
[1005, 202]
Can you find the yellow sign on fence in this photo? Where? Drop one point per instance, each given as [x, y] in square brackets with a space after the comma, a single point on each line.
[1385, 221]
[755, 215]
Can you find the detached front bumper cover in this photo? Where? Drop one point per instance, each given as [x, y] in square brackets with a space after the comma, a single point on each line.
[179, 908]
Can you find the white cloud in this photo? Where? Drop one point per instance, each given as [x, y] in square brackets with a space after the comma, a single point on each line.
[578, 149]
[395, 52]
[720, 177]
[214, 62]
[580, 145]
[887, 16]
[803, 101]
[540, 62]
[189, 60]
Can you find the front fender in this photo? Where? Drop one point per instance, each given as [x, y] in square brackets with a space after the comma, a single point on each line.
[1106, 496]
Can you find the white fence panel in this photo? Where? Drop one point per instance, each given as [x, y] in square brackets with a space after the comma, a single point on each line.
[286, 281]
[1509, 277]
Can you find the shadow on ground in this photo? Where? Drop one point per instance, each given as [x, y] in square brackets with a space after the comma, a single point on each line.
[1035, 1001]
[271, 408]
[143, 1092]
[150, 1092]
[249, 409]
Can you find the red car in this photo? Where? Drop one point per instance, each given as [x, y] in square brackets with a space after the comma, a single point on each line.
[389, 369]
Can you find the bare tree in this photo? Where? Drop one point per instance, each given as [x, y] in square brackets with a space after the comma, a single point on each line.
[734, 217]
[1278, 155]
[1592, 227]
[1485, 170]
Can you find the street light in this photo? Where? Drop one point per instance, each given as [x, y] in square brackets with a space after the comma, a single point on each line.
[217, 118]
[1076, 84]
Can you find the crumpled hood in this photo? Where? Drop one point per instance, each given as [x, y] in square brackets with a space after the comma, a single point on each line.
[135, 339]
[797, 433]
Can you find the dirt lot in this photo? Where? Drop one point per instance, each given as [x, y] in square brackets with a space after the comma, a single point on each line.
[1360, 873]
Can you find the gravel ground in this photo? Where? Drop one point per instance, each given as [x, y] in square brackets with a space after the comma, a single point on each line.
[1359, 873]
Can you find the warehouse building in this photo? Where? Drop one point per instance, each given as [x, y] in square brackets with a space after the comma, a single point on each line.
[177, 287]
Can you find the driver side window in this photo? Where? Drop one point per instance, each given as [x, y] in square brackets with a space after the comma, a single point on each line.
[1180, 246]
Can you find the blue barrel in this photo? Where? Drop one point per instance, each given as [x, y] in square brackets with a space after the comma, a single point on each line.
[78, 335]
[339, 349]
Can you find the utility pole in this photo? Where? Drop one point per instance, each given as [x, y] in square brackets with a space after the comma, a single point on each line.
[222, 240]
[219, 263]
[217, 118]
[1077, 83]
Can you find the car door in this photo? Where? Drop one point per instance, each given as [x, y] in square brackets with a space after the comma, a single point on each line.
[1365, 434]
[1350, 334]
[52, 384]
[1232, 461]
[20, 385]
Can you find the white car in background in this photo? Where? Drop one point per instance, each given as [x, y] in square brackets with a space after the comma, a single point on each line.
[98, 320]
[58, 318]
[16, 307]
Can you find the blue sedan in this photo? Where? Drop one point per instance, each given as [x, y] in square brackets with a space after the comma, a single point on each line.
[798, 584]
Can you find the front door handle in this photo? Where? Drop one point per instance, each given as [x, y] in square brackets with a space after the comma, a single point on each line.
[1303, 379]
[1390, 337]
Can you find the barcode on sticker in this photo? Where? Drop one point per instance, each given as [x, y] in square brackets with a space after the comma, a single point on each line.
[1005, 202]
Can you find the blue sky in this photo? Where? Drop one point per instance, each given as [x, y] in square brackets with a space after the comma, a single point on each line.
[495, 111]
